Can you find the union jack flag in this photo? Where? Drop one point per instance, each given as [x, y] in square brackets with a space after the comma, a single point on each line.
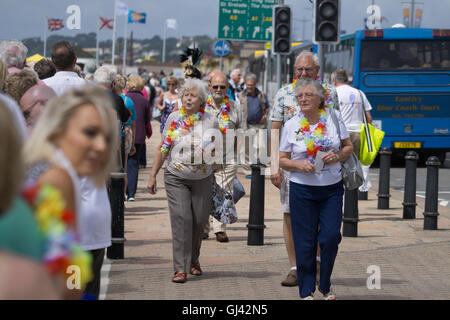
[55, 24]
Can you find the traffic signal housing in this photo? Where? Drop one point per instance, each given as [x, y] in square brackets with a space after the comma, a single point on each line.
[326, 21]
[281, 35]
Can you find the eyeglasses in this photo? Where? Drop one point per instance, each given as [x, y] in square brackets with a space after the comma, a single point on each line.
[305, 95]
[27, 113]
[221, 87]
[307, 70]
[171, 84]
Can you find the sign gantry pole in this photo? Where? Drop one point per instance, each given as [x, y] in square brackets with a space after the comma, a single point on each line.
[114, 33]
[45, 37]
[124, 60]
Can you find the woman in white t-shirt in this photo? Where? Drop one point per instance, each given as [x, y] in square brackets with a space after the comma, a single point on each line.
[76, 138]
[311, 149]
[188, 176]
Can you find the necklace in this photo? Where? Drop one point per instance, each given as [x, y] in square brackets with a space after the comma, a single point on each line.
[314, 141]
[224, 109]
[177, 125]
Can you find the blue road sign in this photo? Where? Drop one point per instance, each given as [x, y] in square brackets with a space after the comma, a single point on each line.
[222, 48]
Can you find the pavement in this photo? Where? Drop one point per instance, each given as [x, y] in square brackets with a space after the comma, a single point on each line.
[412, 263]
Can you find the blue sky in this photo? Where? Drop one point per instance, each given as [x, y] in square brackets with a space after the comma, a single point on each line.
[26, 18]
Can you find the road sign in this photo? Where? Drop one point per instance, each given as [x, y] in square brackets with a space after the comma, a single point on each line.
[222, 48]
[249, 20]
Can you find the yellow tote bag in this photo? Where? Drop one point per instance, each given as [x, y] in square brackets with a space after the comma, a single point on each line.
[376, 137]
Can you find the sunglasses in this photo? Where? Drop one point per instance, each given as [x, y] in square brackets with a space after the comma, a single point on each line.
[221, 87]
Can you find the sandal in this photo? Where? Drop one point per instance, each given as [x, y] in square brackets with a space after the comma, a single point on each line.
[195, 269]
[179, 277]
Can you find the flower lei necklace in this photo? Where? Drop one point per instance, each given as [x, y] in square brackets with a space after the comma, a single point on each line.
[177, 125]
[224, 109]
[314, 141]
[62, 242]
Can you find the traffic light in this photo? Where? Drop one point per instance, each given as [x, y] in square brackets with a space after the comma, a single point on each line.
[326, 21]
[281, 36]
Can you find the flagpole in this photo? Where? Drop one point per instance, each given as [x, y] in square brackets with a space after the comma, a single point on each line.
[96, 51]
[45, 37]
[114, 33]
[124, 63]
[164, 42]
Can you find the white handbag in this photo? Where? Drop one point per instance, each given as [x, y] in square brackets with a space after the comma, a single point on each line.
[352, 173]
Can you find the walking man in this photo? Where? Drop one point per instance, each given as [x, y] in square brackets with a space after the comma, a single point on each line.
[230, 117]
[255, 108]
[351, 103]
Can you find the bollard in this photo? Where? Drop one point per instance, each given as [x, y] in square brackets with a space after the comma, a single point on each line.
[409, 200]
[350, 219]
[256, 215]
[116, 199]
[431, 194]
[363, 195]
[383, 185]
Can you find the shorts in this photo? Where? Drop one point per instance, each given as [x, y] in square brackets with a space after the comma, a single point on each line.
[284, 191]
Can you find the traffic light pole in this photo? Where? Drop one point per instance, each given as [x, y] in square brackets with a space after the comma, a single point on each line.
[321, 60]
[278, 71]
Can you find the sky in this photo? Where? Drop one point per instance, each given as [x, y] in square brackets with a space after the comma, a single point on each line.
[21, 19]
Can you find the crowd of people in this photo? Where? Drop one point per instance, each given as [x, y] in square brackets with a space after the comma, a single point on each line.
[65, 133]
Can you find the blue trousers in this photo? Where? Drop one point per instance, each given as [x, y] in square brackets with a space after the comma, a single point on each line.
[133, 170]
[316, 216]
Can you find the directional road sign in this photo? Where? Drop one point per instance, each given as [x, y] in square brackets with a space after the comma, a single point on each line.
[249, 20]
[222, 48]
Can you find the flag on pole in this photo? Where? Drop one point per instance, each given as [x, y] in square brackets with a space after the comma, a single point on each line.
[171, 23]
[406, 13]
[55, 24]
[418, 11]
[106, 23]
[136, 17]
[122, 9]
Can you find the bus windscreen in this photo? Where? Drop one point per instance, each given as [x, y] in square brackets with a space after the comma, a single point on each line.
[394, 55]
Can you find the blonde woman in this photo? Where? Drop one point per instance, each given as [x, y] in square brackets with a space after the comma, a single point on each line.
[167, 102]
[22, 272]
[73, 148]
[135, 85]
[128, 133]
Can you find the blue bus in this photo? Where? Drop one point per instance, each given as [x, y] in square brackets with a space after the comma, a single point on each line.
[405, 74]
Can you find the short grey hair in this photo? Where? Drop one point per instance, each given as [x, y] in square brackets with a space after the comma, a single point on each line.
[307, 53]
[251, 76]
[13, 53]
[340, 76]
[318, 88]
[105, 75]
[234, 71]
[191, 83]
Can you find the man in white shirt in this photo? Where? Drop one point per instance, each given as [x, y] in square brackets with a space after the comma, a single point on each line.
[64, 59]
[351, 103]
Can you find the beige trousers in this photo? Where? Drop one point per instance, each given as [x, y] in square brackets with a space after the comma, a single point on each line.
[189, 208]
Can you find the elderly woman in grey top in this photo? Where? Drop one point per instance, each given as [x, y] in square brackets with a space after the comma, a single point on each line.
[188, 175]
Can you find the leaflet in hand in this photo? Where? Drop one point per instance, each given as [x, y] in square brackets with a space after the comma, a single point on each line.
[318, 163]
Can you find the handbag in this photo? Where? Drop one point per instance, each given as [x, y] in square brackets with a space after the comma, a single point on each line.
[238, 190]
[223, 208]
[352, 173]
[128, 141]
[371, 139]
[156, 113]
